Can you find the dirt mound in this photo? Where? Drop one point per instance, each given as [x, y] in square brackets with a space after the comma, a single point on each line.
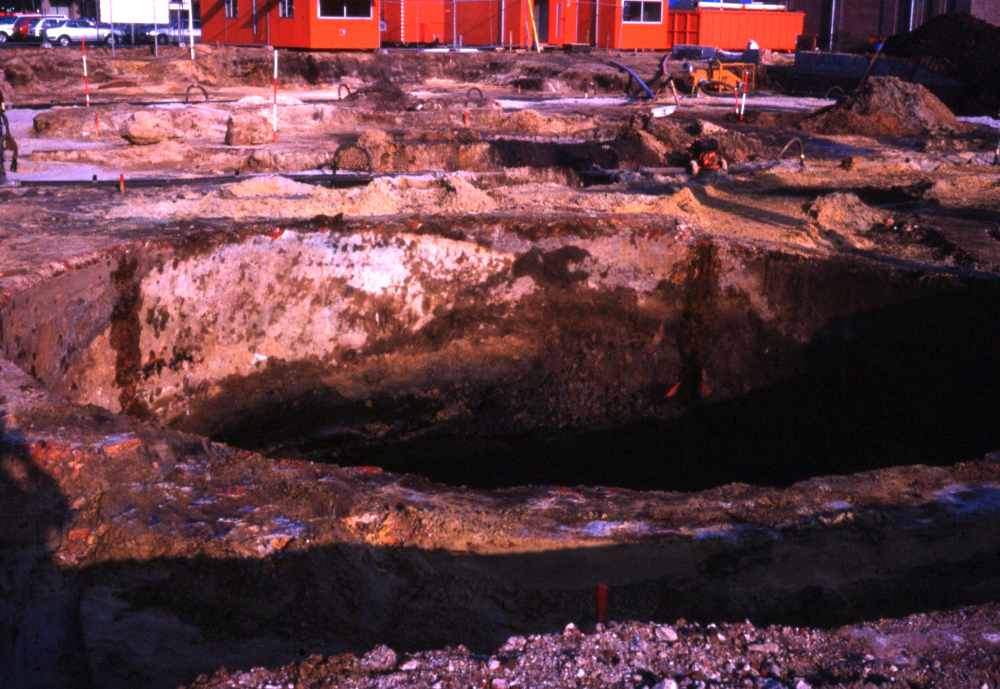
[18, 73]
[529, 121]
[247, 130]
[963, 47]
[146, 128]
[271, 185]
[886, 106]
[382, 147]
[682, 203]
[658, 141]
[462, 197]
[383, 94]
[381, 197]
[844, 212]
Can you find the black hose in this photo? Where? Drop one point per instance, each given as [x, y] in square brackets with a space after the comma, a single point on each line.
[802, 151]
[475, 89]
[187, 94]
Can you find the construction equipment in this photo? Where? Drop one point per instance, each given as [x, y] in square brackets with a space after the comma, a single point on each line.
[719, 77]
[703, 154]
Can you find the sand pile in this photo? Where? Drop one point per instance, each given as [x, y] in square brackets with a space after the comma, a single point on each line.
[529, 121]
[965, 48]
[462, 197]
[682, 203]
[270, 185]
[844, 212]
[381, 197]
[886, 106]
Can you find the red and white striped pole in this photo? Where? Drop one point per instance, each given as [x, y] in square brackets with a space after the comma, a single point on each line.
[86, 81]
[275, 116]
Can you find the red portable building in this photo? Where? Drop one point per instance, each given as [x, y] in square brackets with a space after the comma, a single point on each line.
[310, 24]
[615, 24]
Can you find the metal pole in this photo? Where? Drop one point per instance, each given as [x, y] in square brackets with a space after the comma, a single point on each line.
[454, 24]
[111, 13]
[913, 5]
[156, 32]
[503, 17]
[191, 26]
[833, 21]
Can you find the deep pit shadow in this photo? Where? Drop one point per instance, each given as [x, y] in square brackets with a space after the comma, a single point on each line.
[912, 383]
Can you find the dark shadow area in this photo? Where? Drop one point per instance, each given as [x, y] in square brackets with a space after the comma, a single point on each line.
[906, 384]
[352, 598]
[41, 635]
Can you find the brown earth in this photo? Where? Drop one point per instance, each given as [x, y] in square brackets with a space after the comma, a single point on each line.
[724, 397]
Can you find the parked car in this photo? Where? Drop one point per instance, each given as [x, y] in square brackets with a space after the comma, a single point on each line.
[77, 30]
[7, 26]
[175, 32]
[37, 27]
[19, 31]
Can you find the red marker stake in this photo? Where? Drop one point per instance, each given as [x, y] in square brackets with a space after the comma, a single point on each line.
[602, 603]
[86, 82]
[121, 182]
[97, 123]
[275, 119]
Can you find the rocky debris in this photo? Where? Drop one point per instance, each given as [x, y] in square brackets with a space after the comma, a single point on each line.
[245, 129]
[886, 106]
[960, 46]
[143, 128]
[931, 650]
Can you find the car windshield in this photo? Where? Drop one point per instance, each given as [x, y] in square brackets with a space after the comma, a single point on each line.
[4, 21]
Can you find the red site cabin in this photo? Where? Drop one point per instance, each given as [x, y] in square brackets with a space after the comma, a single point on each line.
[614, 24]
[308, 24]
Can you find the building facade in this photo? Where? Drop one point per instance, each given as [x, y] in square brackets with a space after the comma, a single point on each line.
[849, 25]
[308, 24]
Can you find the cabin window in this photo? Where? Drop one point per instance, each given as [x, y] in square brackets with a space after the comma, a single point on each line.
[353, 9]
[642, 12]
[232, 9]
[286, 8]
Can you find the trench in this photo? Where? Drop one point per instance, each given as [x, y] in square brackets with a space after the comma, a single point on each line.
[491, 355]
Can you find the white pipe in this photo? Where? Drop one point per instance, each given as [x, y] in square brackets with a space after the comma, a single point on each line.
[913, 5]
[191, 26]
[833, 21]
[503, 17]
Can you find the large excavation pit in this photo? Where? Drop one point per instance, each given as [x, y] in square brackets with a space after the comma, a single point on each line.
[571, 366]
[489, 355]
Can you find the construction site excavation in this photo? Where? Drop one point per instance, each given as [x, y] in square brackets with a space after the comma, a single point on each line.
[496, 369]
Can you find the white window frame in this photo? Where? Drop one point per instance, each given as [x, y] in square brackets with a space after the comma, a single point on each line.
[319, 7]
[642, 12]
[286, 9]
[232, 9]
